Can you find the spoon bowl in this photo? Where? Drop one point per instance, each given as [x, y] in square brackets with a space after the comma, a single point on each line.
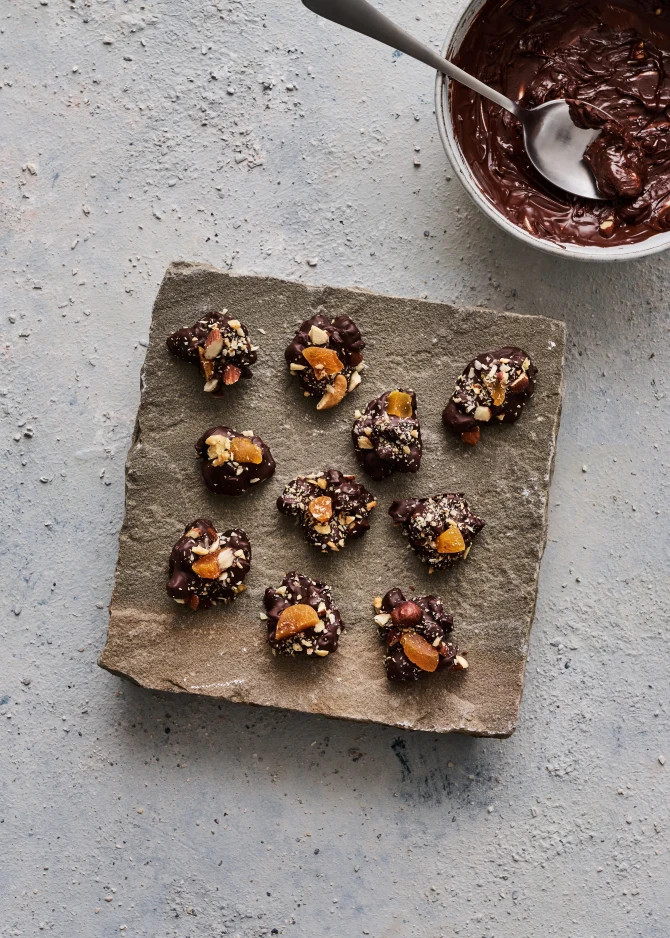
[555, 147]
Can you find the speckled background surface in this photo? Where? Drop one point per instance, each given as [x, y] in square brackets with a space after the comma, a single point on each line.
[110, 824]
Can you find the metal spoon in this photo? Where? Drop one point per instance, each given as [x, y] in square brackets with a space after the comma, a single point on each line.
[555, 146]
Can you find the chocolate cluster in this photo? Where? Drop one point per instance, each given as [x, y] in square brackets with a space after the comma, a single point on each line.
[220, 345]
[327, 357]
[302, 617]
[330, 506]
[233, 462]
[492, 388]
[440, 529]
[207, 567]
[387, 435]
[415, 632]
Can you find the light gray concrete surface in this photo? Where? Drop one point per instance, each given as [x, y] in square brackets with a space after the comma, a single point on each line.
[248, 135]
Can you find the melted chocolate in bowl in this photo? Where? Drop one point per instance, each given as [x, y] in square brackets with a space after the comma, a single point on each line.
[613, 55]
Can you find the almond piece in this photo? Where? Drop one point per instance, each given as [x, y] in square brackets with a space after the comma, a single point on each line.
[399, 404]
[321, 509]
[323, 360]
[318, 336]
[295, 619]
[450, 541]
[482, 413]
[461, 663]
[364, 443]
[334, 393]
[471, 437]
[244, 451]
[207, 567]
[218, 449]
[225, 559]
[234, 323]
[211, 385]
[213, 344]
[419, 651]
[231, 374]
[520, 385]
[354, 381]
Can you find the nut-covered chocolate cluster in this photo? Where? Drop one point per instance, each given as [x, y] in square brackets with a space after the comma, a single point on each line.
[387, 436]
[220, 345]
[415, 632]
[327, 357]
[440, 529]
[233, 462]
[207, 567]
[301, 617]
[331, 507]
[494, 386]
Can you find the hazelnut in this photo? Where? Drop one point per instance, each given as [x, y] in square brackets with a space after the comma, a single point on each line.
[407, 615]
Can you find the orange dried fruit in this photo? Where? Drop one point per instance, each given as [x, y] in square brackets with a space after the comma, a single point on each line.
[244, 450]
[399, 404]
[321, 509]
[324, 361]
[295, 619]
[497, 388]
[419, 651]
[450, 541]
[207, 566]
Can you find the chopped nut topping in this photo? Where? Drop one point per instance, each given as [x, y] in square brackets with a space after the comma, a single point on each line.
[213, 343]
[218, 449]
[207, 567]
[334, 393]
[318, 336]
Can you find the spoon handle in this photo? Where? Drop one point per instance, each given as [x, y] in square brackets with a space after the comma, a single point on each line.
[363, 18]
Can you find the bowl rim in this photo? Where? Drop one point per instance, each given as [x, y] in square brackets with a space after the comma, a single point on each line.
[463, 18]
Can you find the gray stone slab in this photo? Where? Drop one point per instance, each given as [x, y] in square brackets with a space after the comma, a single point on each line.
[223, 652]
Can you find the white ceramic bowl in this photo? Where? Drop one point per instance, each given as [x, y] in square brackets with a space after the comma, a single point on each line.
[623, 252]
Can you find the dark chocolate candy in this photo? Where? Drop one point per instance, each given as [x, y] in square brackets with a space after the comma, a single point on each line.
[387, 435]
[220, 344]
[415, 633]
[440, 529]
[207, 567]
[318, 639]
[615, 55]
[233, 462]
[492, 388]
[331, 507]
[327, 357]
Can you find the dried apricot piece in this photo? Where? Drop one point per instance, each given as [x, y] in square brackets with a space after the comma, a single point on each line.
[321, 509]
[419, 651]
[207, 567]
[497, 387]
[296, 619]
[324, 361]
[244, 450]
[399, 404]
[450, 541]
